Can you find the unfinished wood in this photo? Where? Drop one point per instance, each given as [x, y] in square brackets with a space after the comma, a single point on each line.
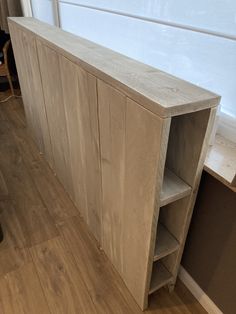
[165, 243]
[221, 161]
[61, 281]
[51, 79]
[187, 134]
[30, 77]
[19, 54]
[160, 277]
[186, 205]
[173, 188]
[158, 91]
[126, 135]
[104, 108]
[21, 292]
[80, 102]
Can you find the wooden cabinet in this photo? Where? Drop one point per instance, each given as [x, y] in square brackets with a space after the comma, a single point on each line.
[127, 141]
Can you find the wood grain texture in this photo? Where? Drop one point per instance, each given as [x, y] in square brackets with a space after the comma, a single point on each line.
[29, 207]
[221, 161]
[58, 203]
[165, 243]
[63, 286]
[98, 274]
[30, 77]
[173, 188]
[80, 102]
[20, 292]
[52, 87]
[129, 181]
[157, 91]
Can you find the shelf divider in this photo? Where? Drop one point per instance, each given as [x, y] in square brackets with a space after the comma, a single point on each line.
[165, 243]
[173, 188]
[160, 277]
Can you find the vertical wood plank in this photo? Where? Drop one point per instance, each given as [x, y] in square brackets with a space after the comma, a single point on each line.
[30, 78]
[52, 87]
[80, 100]
[131, 159]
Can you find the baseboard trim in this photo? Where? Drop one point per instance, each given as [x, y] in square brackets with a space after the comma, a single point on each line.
[198, 293]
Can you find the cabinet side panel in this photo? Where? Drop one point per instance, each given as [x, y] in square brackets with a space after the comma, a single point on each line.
[185, 144]
[130, 139]
[80, 101]
[52, 88]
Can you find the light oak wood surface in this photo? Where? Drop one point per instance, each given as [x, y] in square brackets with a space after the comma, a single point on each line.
[126, 140]
[158, 91]
[221, 161]
[80, 103]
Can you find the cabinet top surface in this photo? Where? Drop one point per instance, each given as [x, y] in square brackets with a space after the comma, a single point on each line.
[159, 92]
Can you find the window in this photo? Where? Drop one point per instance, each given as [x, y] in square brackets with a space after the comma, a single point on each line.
[194, 40]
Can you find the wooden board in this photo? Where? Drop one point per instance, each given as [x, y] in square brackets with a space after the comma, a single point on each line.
[165, 243]
[80, 103]
[129, 179]
[173, 188]
[52, 87]
[30, 79]
[160, 277]
[157, 91]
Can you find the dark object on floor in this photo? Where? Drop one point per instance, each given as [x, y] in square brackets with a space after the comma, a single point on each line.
[7, 62]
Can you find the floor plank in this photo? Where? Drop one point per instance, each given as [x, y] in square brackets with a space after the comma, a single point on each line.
[51, 191]
[61, 281]
[95, 269]
[21, 293]
[36, 222]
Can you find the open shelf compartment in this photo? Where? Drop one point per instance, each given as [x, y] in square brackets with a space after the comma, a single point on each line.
[160, 277]
[173, 188]
[165, 243]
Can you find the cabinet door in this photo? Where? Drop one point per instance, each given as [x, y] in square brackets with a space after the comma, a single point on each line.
[80, 100]
[52, 89]
[133, 146]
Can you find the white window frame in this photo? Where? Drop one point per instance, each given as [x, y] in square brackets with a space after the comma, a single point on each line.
[226, 125]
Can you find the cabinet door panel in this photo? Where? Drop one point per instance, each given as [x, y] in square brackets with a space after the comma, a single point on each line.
[80, 100]
[52, 88]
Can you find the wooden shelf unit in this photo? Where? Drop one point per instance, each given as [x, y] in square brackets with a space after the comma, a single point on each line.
[126, 141]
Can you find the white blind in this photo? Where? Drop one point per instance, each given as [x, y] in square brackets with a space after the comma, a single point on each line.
[194, 40]
[43, 10]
